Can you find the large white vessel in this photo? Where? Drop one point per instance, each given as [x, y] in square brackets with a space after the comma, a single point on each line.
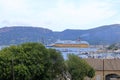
[70, 43]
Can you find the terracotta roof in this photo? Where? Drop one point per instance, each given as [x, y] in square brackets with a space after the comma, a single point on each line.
[109, 64]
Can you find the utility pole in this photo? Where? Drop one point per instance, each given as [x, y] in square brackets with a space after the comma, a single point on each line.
[103, 69]
[13, 76]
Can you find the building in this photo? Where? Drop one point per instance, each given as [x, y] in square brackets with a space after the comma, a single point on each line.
[106, 69]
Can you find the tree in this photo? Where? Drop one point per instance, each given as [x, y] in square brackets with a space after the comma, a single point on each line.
[114, 46]
[57, 64]
[78, 68]
[91, 73]
[30, 61]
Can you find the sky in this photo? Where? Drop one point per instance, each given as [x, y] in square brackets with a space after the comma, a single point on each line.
[59, 15]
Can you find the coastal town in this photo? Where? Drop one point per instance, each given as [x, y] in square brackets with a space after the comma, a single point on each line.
[104, 61]
[84, 50]
[59, 39]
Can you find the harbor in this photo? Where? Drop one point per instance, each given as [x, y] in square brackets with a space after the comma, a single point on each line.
[84, 50]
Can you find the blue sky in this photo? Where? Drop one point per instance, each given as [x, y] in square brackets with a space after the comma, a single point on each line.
[59, 15]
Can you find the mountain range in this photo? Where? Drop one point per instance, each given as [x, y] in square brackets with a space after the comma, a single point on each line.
[107, 34]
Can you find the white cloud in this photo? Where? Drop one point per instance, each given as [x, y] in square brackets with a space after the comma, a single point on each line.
[67, 14]
[63, 14]
[12, 5]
